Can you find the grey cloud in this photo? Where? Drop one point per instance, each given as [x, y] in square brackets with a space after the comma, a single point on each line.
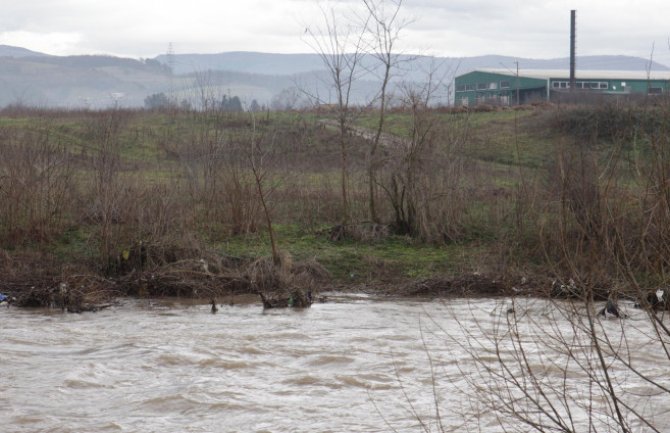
[451, 27]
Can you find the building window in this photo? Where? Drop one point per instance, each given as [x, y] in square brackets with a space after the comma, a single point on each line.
[596, 85]
[655, 90]
[560, 85]
[504, 84]
[493, 86]
[482, 86]
[469, 87]
[460, 88]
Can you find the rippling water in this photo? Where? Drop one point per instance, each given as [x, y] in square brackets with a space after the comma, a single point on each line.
[145, 366]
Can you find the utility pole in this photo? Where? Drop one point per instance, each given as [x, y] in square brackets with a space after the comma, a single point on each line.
[518, 101]
[573, 51]
[170, 63]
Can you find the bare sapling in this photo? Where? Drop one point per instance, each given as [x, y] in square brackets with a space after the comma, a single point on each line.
[340, 47]
[104, 133]
[423, 169]
[35, 183]
[256, 159]
[384, 26]
[220, 187]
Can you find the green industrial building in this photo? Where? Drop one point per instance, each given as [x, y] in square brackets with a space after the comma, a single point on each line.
[502, 87]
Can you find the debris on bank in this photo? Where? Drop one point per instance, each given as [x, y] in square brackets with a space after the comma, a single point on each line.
[657, 300]
[296, 298]
[43, 284]
[6, 299]
[75, 293]
[284, 284]
[465, 285]
[38, 281]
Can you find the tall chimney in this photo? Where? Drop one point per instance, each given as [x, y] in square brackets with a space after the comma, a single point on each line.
[572, 50]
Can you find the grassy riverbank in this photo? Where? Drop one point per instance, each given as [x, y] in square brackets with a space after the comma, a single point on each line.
[163, 203]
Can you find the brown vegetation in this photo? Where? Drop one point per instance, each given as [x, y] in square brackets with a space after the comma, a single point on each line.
[139, 200]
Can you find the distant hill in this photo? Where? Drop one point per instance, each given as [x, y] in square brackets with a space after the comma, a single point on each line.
[9, 51]
[76, 81]
[32, 78]
[243, 61]
[289, 64]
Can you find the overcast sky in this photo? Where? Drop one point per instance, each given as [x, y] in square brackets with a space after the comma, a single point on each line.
[523, 28]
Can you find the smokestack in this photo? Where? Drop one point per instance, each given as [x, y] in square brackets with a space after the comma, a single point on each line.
[573, 31]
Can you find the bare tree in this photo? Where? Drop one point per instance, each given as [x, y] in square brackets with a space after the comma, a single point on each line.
[424, 168]
[35, 182]
[340, 47]
[256, 157]
[105, 132]
[384, 29]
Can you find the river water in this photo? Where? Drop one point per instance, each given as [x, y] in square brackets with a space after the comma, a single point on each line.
[352, 365]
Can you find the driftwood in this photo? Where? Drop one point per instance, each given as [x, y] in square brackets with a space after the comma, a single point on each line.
[74, 293]
[285, 284]
[210, 277]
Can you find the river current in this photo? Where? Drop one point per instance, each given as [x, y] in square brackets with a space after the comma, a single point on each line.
[351, 365]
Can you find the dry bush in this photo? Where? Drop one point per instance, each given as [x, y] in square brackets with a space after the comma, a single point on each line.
[653, 249]
[7, 266]
[609, 218]
[35, 183]
[610, 122]
[127, 212]
[238, 205]
[267, 276]
[106, 192]
[484, 108]
[285, 283]
[424, 174]
[309, 273]
[219, 185]
[27, 265]
[314, 205]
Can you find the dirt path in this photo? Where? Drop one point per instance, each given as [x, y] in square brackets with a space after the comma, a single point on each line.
[385, 140]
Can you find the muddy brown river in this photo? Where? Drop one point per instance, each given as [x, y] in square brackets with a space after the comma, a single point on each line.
[353, 365]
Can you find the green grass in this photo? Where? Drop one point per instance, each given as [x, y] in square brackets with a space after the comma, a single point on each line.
[505, 137]
[74, 243]
[6, 122]
[509, 138]
[394, 123]
[351, 261]
[505, 117]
